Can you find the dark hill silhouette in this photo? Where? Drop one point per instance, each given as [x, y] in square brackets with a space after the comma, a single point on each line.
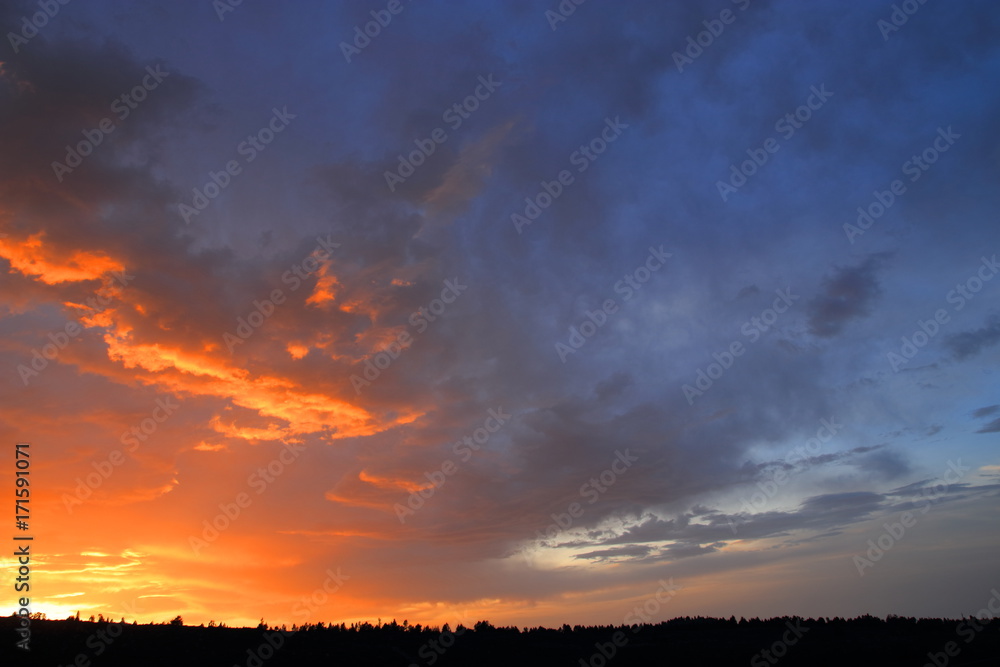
[786, 641]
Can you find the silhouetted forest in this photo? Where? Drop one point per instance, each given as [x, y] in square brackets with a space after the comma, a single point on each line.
[787, 641]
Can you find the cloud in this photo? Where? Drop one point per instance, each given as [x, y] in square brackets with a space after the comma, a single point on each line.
[992, 427]
[986, 411]
[629, 552]
[847, 295]
[613, 386]
[971, 343]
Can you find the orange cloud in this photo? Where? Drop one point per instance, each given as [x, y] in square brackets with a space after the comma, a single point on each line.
[323, 292]
[391, 483]
[297, 350]
[184, 372]
[52, 265]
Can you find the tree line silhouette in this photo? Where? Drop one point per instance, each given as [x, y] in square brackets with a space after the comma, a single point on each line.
[863, 640]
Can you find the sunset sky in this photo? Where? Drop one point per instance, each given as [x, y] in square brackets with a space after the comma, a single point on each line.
[497, 312]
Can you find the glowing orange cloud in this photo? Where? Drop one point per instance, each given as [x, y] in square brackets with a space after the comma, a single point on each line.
[324, 292]
[297, 350]
[390, 483]
[271, 396]
[50, 265]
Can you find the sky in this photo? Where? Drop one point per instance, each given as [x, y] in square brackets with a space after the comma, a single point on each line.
[518, 311]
